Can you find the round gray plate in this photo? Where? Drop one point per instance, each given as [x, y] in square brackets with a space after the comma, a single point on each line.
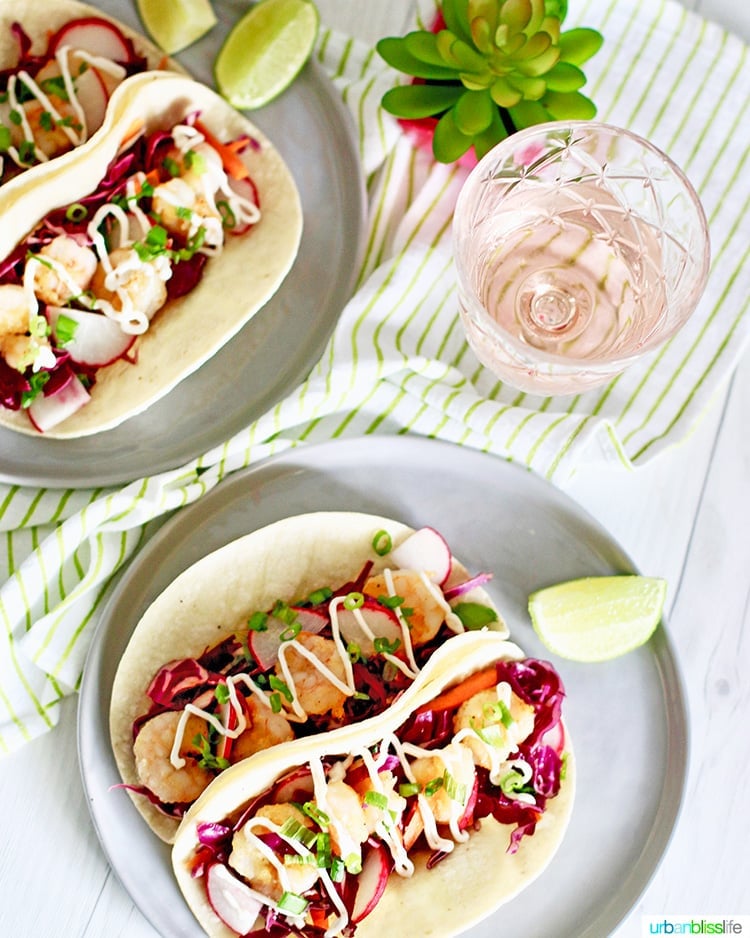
[274, 352]
[627, 718]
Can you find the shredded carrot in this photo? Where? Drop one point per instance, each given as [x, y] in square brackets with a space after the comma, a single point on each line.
[152, 178]
[455, 696]
[230, 161]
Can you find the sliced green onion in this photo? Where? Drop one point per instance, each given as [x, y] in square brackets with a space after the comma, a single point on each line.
[383, 647]
[360, 695]
[511, 783]
[38, 326]
[76, 212]
[65, 329]
[320, 596]
[354, 601]
[337, 869]
[171, 166]
[221, 692]
[506, 717]
[195, 161]
[377, 799]
[27, 152]
[183, 212]
[382, 543]
[456, 790]
[407, 789]
[275, 701]
[391, 602]
[4, 138]
[297, 831]
[353, 863]
[323, 849]
[228, 218]
[291, 632]
[284, 612]
[435, 785]
[314, 812]
[276, 683]
[293, 903]
[354, 651]
[491, 734]
[258, 622]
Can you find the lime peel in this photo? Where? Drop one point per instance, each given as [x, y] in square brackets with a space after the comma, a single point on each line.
[265, 51]
[598, 618]
[177, 24]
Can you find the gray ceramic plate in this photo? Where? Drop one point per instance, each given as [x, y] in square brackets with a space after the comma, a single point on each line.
[275, 351]
[627, 718]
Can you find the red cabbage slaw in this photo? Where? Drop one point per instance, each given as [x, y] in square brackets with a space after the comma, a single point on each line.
[201, 682]
[319, 908]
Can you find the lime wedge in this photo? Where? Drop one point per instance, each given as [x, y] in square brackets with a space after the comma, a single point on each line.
[265, 51]
[176, 24]
[597, 618]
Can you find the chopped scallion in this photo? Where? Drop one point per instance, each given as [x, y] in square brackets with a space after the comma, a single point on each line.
[382, 543]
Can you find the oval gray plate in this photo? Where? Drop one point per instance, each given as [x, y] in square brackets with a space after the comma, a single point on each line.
[627, 717]
[275, 351]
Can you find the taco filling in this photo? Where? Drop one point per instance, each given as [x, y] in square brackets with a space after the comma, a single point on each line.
[79, 290]
[54, 99]
[310, 664]
[316, 852]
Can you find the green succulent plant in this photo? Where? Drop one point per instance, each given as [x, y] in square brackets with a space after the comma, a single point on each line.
[489, 68]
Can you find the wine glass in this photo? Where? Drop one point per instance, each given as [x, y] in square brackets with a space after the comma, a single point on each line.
[579, 247]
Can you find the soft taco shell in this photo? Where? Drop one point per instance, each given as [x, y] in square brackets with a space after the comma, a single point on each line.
[465, 887]
[188, 331]
[284, 560]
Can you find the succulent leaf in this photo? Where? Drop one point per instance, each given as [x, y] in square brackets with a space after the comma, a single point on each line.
[455, 14]
[394, 52]
[424, 47]
[496, 132]
[565, 77]
[473, 112]
[515, 14]
[504, 94]
[497, 66]
[579, 45]
[416, 101]
[448, 143]
[569, 106]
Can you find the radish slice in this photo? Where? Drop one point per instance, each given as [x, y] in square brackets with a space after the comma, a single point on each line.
[231, 899]
[47, 412]
[93, 96]
[381, 621]
[425, 550]
[245, 189]
[467, 585]
[264, 645]
[94, 35]
[298, 786]
[97, 340]
[371, 882]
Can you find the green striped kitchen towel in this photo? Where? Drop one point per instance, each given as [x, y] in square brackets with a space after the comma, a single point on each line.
[397, 361]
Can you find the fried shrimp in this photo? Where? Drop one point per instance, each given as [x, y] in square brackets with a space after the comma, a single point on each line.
[425, 613]
[184, 209]
[64, 270]
[314, 690]
[499, 727]
[431, 773]
[152, 748]
[265, 729]
[133, 287]
[347, 820]
[251, 863]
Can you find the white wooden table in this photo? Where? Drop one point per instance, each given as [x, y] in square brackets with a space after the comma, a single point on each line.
[686, 517]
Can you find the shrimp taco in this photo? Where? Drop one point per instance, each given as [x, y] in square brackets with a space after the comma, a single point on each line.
[422, 822]
[313, 623]
[123, 273]
[59, 65]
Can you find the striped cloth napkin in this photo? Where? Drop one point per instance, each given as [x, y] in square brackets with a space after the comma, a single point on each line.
[398, 362]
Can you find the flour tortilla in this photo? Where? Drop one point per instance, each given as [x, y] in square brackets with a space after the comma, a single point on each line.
[465, 887]
[187, 331]
[284, 560]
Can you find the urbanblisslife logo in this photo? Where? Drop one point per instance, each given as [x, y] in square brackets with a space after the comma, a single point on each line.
[696, 925]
